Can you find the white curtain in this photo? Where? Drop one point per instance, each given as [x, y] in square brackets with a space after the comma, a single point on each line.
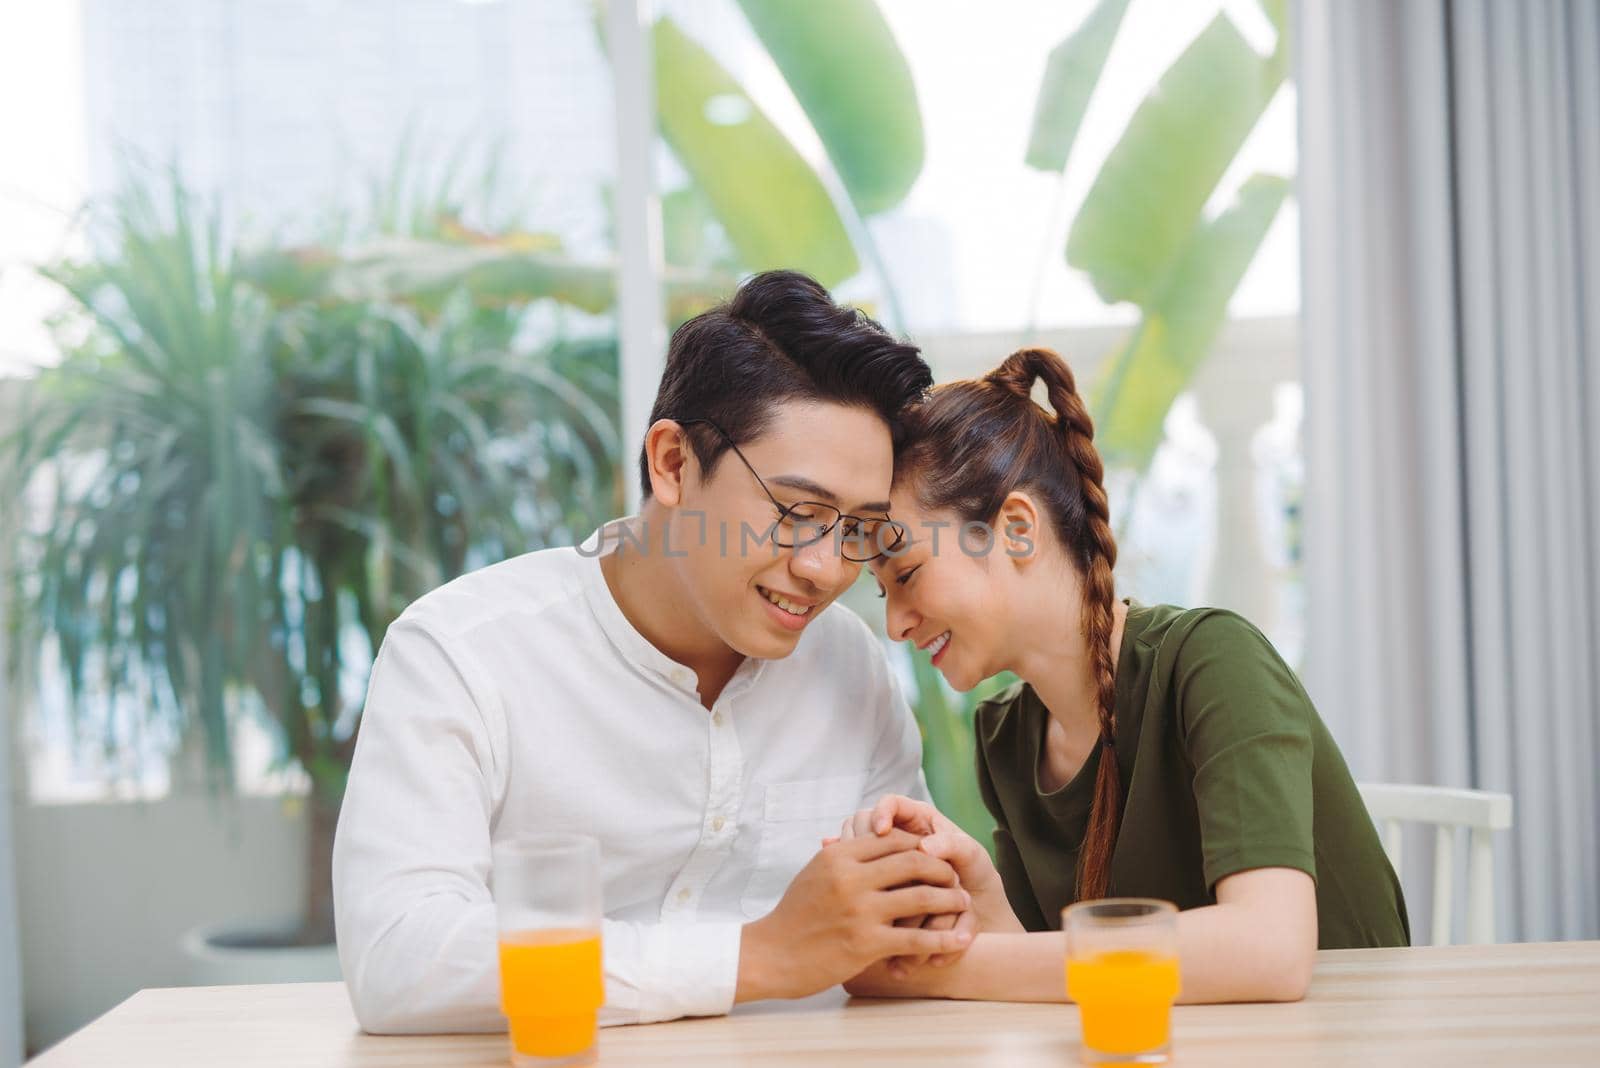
[1450, 195]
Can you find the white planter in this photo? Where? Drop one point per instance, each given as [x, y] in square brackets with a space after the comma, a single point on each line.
[226, 954]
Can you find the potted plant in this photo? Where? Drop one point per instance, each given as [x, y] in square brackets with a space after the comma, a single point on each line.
[247, 467]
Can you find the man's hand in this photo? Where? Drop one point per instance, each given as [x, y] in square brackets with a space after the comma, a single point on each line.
[941, 838]
[838, 917]
[919, 818]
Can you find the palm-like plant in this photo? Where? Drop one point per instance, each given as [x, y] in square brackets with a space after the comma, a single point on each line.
[153, 438]
[251, 481]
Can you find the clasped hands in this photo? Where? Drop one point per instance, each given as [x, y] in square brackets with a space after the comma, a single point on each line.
[885, 907]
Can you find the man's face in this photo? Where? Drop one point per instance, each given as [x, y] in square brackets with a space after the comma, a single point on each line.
[758, 598]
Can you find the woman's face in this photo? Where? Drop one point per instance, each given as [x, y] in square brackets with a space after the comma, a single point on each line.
[951, 591]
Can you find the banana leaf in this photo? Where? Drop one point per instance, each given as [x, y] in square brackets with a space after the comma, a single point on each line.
[1070, 75]
[771, 203]
[1133, 395]
[1277, 12]
[1142, 209]
[844, 67]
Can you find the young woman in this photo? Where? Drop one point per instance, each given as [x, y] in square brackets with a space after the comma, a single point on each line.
[1149, 751]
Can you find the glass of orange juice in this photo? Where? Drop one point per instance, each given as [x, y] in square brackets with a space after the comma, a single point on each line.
[1122, 970]
[547, 899]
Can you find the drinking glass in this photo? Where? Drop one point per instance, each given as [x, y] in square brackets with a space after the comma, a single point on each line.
[1122, 970]
[547, 901]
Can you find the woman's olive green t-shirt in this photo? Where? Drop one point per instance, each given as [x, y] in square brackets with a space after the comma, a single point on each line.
[1226, 766]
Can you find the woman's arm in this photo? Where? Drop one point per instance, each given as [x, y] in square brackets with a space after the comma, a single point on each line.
[1257, 943]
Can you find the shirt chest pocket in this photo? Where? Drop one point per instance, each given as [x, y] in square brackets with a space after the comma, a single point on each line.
[796, 816]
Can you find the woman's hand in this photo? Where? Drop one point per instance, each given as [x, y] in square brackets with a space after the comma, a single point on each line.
[886, 980]
[836, 918]
[941, 838]
[918, 818]
[895, 810]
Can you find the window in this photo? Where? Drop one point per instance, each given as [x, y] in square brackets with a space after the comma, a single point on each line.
[422, 144]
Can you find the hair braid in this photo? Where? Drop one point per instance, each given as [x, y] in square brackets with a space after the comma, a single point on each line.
[1098, 555]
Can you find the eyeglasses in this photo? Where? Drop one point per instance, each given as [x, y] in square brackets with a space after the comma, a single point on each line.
[862, 539]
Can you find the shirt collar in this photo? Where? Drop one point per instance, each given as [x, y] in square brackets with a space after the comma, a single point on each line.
[633, 646]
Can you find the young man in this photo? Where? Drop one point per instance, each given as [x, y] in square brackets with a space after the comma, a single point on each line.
[674, 687]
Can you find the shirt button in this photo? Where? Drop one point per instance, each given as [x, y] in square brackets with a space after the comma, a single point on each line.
[718, 823]
[716, 719]
[683, 895]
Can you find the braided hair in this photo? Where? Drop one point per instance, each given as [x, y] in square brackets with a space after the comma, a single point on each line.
[976, 441]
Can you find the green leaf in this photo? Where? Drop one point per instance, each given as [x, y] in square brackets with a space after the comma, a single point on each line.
[1070, 75]
[691, 237]
[1214, 262]
[289, 275]
[1149, 194]
[1277, 12]
[844, 67]
[424, 273]
[769, 200]
[1133, 395]
[685, 218]
[401, 268]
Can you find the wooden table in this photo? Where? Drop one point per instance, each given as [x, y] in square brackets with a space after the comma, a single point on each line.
[1503, 1005]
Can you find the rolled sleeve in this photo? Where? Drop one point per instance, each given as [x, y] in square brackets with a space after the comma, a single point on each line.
[657, 972]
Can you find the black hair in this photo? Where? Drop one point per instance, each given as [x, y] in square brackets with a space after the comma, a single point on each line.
[780, 338]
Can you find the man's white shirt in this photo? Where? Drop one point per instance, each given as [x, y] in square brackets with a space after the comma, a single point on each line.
[519, 699]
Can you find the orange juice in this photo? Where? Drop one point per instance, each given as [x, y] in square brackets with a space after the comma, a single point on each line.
[551, 988]
[1124, 999]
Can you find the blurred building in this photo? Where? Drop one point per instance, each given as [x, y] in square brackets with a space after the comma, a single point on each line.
[289, 106]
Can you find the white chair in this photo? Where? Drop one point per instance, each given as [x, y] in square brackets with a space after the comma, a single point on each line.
[1480, 811]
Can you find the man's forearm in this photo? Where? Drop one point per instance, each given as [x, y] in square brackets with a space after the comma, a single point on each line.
[433, 969]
